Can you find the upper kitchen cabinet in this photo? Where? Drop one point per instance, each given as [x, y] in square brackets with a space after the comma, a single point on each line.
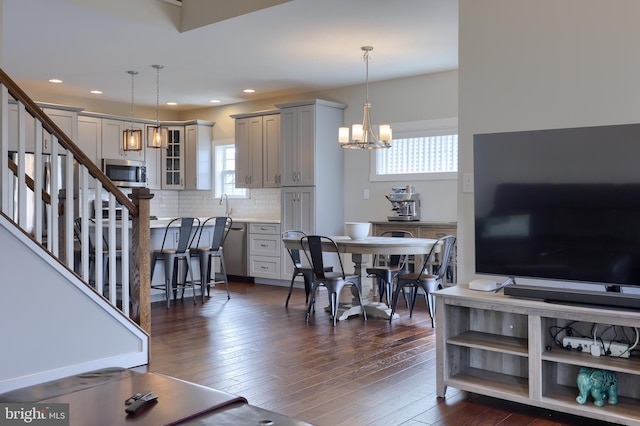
[271, 173]
[309, 138]
[90, 137]
[173, 159]
[112, 139]
[199, 155]
[257, 140]
[66, 118]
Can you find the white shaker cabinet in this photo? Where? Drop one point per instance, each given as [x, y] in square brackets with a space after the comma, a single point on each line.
[257, 140]
[298, 145]
[271, 173]
[264, 250]
[65, 119]
[312, 169]
[89, 137]
[248, 141]
[113, 137]
[198, 152]
[299, 208]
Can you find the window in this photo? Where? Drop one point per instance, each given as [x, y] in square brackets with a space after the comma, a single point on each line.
[419, 151]
[226, 173]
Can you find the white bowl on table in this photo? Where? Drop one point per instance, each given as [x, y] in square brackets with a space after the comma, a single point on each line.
[357, 230]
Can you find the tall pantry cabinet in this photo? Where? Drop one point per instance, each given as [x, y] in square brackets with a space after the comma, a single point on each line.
[312, 169]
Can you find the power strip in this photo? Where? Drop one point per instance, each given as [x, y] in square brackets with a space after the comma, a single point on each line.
[583, 344]
[618, 350]
[580, 344]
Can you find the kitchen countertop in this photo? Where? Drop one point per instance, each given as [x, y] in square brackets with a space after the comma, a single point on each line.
[162, 222]
[414, 223]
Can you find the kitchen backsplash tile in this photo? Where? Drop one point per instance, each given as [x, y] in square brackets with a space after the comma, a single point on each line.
[263, 203]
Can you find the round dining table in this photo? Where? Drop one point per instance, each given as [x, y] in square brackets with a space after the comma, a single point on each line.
[360, 250]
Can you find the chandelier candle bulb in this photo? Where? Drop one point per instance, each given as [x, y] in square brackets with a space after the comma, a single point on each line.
[343, 135]
[385, 133]
[357, 132]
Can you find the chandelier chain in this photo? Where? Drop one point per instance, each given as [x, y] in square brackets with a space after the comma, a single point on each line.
[158, 68]
[133, 74]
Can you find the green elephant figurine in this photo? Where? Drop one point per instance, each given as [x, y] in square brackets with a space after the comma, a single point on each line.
[601, 384]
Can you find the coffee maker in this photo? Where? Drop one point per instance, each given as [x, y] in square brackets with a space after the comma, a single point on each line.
[405, 204]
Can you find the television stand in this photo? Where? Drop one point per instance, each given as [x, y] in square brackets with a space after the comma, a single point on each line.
[500, 346]
[594, 299]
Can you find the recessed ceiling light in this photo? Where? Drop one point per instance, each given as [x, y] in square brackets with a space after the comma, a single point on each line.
[55, 80]
[96, 92]
[249, 91]
[172, 103]
[215, 101]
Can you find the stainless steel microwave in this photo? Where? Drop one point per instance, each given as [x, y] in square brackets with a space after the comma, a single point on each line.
[125, 173]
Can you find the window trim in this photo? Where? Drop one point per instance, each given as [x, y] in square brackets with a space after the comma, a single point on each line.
[409, 129]
[218, 184]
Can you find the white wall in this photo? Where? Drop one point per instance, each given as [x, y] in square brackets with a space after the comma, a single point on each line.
[53, 326]
[541, 64]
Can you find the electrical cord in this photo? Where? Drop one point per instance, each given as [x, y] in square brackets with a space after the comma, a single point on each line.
[628, 351]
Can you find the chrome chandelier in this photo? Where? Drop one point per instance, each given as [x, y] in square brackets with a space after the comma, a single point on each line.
[362, 135]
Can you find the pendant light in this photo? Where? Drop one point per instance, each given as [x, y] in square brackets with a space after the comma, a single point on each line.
[157, 136]
[132, 138]
[362, 135]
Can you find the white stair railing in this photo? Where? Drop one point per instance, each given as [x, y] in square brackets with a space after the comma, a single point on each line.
[46, 186]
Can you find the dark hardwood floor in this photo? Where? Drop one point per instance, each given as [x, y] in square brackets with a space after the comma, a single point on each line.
[357, 373]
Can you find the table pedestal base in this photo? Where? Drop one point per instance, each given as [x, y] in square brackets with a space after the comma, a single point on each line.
[373, 309]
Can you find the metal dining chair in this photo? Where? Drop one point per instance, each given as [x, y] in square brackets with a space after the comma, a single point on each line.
[425, 279]
[298, 269]
[334, 281]
[386, 268]
[205, 254]
[173, 256]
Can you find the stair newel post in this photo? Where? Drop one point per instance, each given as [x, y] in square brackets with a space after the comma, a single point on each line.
[140, 259]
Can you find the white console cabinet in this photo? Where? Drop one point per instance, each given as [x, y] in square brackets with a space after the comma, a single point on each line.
[500, 346]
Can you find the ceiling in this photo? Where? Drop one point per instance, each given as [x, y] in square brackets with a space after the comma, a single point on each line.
[294, 47]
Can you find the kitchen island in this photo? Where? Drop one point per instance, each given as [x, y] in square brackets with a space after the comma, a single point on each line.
[158, 228]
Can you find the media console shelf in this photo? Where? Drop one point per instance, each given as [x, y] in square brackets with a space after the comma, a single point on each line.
[500, 346]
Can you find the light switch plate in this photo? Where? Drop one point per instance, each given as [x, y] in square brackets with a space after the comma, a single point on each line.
[467, 182]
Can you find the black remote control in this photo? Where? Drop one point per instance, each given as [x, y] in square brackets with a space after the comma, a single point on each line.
[141, 403]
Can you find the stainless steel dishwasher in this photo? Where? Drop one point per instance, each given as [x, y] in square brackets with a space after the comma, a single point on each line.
[235, 250]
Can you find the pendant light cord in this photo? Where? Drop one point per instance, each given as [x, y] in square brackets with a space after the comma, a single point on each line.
[133, 74]
[158, 68]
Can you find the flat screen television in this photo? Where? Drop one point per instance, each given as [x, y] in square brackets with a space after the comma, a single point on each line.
[561, 206]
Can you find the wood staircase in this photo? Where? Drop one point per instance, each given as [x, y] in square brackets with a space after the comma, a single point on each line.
[44, 187]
